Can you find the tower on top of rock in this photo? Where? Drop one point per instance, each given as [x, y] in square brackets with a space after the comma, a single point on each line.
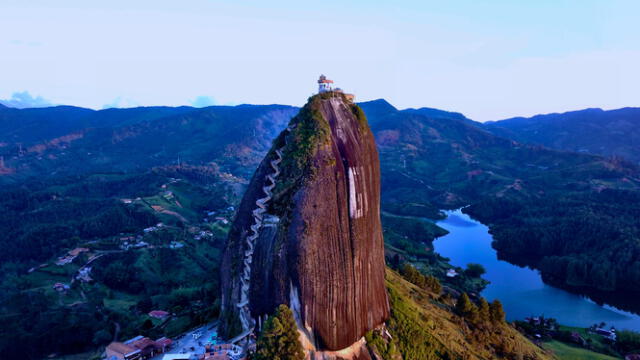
[324, 84]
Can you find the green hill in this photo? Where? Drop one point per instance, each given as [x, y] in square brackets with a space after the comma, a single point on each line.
[423, 325]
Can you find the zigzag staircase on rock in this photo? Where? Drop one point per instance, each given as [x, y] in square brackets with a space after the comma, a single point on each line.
[248, 323]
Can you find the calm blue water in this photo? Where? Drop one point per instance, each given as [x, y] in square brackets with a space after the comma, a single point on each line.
[521, 290]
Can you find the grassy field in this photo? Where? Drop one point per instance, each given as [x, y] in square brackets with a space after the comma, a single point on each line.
[121, 302]
[568, 352]
[596, 341]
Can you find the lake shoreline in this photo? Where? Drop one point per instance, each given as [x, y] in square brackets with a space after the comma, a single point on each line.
[619, 299]
[522, 290]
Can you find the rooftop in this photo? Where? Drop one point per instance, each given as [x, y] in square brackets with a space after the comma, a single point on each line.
[158, 313]
[323, 80]
[176, 356]
[120, 348]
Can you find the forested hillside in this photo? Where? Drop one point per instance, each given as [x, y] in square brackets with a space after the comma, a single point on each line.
[96, 253]
[572, 215]
[594, 131]
[93, 179]
[64, 141]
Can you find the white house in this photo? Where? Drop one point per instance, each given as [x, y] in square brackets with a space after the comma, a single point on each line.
[324, 84]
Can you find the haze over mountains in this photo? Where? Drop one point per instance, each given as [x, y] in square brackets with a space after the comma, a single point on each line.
[595, 131]
[429, 158]
[65, 140]
[68, 140]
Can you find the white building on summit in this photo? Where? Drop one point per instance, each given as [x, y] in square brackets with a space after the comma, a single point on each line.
[324, 84]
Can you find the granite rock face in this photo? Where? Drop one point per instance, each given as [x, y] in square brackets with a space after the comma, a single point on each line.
[317, 246]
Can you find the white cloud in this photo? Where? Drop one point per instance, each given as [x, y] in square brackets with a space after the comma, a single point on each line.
[24, 99]
[203, 101]
[121, 102]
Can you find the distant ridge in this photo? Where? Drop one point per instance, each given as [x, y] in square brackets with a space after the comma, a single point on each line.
[593, 130]
[437, 113]
[378, 108]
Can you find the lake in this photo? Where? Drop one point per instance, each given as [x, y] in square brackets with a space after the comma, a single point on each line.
[521, 290]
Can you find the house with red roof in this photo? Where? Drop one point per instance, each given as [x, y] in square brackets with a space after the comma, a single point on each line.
[324, 84]
[137, 348]
[119, 351]
[159, 314]
[164, 343]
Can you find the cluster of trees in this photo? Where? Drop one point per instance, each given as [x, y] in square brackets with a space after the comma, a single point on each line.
[410, 206]
[172, 277]
[487, 325]
[34, 327]
[278, 339]
[42, 220]
[412, 236]
[38, 220]
[628, 341]
[422, 329]
[39, 323]
[427, 282]
[545, 328]
[475, 270]
[481, 314]
[585, 240]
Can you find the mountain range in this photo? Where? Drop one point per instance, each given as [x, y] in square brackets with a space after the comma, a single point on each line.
[593, 131]
[62, 141]
[66, 168]
[66, 140]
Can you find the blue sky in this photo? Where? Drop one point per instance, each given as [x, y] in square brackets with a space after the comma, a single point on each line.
[487, 59]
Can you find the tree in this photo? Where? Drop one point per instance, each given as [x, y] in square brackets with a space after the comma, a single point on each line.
[433, 283]
[102, 336]
[485, 311]
[496, 311]
[145, 304]
[412, 275]
[464, 306]
[475, 270]
[629, 341]
[279, 337]
[394, 262]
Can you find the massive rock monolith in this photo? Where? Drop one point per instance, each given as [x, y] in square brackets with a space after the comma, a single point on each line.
[308, 234]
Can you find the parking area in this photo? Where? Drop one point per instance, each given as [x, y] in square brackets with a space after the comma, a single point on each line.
[193, 342]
